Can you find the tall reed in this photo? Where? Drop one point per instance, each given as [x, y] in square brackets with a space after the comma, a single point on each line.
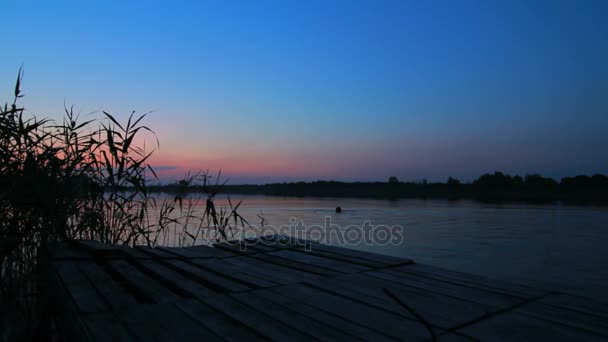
[88, 179]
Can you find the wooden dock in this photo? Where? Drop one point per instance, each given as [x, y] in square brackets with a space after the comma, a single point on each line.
[277, 289]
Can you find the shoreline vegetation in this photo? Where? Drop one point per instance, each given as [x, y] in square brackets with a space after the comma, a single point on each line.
[65, 180]
[496, 187]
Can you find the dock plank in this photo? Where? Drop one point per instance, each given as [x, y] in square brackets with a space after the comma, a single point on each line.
[111, 291]
[255, 319]
[577, 303]
[212, 280]
[459, 291]
[195, 252]
[176, 280]
[261, 247]
[566, 317]
[236, 249]
[516, 327]
[220, 324]
[84, 295]
[133, 253]
[293, 319]
[279, 274]
[336, 321]
[303, 267]
[97, 326]
[147, 287]
[156, 252]
[286, 288]
[164, 322]
[340, 257]
[381, 321]
[65, 313]
[288, 240]
[342, 251]
[378, 260]
[321, 262]
[441, 311]
[236, 273]
[470, 280]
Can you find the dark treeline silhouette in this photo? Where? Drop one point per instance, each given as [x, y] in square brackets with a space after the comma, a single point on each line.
[494, 187]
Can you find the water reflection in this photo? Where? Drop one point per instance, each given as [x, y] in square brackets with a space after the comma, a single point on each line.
[551, 246]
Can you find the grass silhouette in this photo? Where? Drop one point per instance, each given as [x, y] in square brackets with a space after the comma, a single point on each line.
[88, 179]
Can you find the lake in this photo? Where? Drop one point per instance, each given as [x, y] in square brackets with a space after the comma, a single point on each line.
[557, 247]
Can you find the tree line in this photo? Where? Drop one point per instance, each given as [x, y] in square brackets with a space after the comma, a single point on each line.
[497, 186]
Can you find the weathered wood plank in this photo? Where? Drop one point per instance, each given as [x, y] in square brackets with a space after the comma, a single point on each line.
[339, 257]
[148, 288]
[337, 251]
[354, 254]
[112, 292]
[455, 337]
[65, 313]
[279, 290]
[232, 272]
[437, 309]
[212, 280]
[513, 326]
[295, 265]
[277, 243]
[260, 246]
[175, 280]
[566, 317]
[157, 252]
[289, 240]
[497, 300]
[321, 262]
[133, 253]
[266, 245]
[105, 327]
[255, 319]
[197, 252]
[235, 249]
[276, 273]
[82, 292]
[220, 324]
[470, 280]
[370, 317]
[292, 318]
[578, 303]
[325, 317]
[164, 322]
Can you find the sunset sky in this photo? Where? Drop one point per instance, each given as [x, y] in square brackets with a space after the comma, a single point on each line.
[346, 90]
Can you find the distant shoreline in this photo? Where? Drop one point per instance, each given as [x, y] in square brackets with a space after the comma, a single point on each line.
[582, 190]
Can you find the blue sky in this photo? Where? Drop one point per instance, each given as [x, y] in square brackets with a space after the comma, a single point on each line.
[344, 90]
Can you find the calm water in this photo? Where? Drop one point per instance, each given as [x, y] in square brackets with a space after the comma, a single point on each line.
[550, 246]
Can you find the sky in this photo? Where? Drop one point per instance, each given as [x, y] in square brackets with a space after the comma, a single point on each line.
[273, 91]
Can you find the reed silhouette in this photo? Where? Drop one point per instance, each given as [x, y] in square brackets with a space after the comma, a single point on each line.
[86, 179]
